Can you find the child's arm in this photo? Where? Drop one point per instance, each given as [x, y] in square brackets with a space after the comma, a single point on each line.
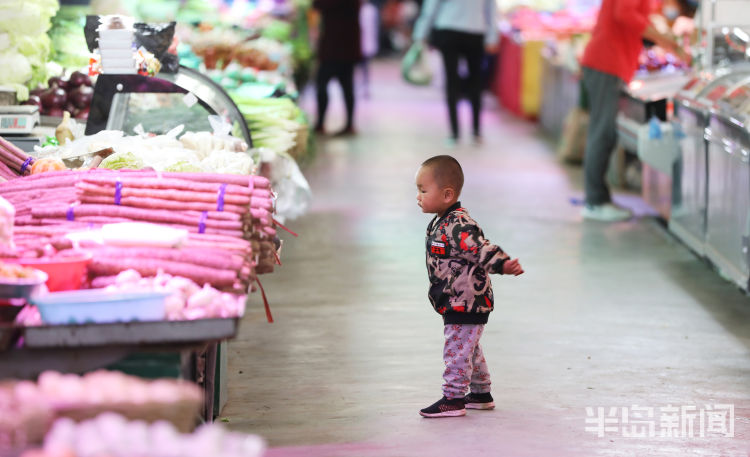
[471, 245]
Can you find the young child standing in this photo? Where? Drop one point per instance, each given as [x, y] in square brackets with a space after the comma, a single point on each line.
[459, 262]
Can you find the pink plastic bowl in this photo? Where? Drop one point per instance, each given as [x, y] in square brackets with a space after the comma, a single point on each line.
[65, 272]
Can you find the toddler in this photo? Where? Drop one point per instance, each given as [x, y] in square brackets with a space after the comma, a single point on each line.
[459, 260]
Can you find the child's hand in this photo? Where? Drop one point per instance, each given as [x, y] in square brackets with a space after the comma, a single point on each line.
[512, 267]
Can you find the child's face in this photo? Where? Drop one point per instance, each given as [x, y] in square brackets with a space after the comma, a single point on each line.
[430, 197]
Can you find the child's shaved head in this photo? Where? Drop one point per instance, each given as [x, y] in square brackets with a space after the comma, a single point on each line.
[446, 171]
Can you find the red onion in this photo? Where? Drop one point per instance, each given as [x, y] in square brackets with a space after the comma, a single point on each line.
[78, 79]
[57, 81]
[81, 96]
[54, 97]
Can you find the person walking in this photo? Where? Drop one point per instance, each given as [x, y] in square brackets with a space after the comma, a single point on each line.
[339, 50]
[460, 29]
[609, 62]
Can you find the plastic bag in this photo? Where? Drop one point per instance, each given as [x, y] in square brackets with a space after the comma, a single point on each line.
[294, 195]
[415, 67]
[156, 39]
[573, 139]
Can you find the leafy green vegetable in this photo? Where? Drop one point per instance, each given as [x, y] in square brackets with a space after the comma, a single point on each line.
[122, 160]
[184, 166]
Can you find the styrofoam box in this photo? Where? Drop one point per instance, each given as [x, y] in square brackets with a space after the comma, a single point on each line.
[119, 71]
[115, 44]
[116, 34]
[115, 54]
[100, 306]
[118, 63]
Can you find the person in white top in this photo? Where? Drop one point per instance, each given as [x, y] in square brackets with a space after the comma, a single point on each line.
[460, 29]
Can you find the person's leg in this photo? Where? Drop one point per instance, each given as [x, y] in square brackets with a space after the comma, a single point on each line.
[458, 355]
[474, 52]
[345, 75]
[603, 91]
[448, 49]
[365, 65]
[480, 376]
[322, 78]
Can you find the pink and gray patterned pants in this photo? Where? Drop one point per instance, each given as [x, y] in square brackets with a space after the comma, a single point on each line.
[465, 365]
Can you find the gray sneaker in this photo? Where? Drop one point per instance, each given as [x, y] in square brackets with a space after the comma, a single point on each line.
[607, 212]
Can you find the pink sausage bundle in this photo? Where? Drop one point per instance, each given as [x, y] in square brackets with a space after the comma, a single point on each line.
[226, 215]
[13, 160]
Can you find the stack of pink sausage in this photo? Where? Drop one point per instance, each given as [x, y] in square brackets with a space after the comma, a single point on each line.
[13, 161]
[228, 217]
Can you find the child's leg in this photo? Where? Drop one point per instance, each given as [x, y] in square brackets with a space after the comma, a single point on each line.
[480, 377]
[458, 354]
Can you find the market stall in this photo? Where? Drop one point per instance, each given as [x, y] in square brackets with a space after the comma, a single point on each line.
[139, 203]
[536, 46]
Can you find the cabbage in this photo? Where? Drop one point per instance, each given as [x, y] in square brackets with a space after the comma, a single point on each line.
[18, 68]
[27, 17]
[184, 166]
[122, 160]
[24, 44]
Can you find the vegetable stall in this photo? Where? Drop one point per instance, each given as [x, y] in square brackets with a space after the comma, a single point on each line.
[136, 222]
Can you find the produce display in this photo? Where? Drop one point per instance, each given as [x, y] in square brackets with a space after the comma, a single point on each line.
[276, 123]
[191, 152]
[28, 409]
[186, 219]
[13, 161]
[227, 214]
[112, 435]
[12, 271]
[7, 216]
[72, 94]
[24, 43]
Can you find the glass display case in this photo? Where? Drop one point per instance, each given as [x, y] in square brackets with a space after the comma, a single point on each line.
[728, 199]
[690, 178]
[162, 102]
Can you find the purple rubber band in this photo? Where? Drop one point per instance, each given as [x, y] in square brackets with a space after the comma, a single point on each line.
[202, 223]
[118, 192]
[69, 215]
[220, 200]
[26, 164]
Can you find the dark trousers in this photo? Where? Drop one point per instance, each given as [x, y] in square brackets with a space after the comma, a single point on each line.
[344, 73]
[603, 91]
[455, 45]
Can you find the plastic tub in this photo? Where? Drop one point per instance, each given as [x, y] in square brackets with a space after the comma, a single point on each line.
[100, 306]
[21, 288]
[65, 273]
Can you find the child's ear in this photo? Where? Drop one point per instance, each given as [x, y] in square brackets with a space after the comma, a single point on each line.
[448, 193]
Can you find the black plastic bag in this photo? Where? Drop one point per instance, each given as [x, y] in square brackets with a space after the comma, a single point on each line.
[156, 39]
[90, 30]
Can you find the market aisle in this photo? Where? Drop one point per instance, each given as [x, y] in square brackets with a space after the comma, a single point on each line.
[610, 316]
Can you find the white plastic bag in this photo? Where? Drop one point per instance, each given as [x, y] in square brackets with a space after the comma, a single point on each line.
[415, 67]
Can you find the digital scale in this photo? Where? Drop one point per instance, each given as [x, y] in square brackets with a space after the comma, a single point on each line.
[18, 119]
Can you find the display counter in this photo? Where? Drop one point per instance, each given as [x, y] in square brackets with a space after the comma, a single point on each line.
[728, 196]
[692, 107]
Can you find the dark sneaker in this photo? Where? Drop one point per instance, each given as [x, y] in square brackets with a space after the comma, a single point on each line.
[479, 401]
[445, 408]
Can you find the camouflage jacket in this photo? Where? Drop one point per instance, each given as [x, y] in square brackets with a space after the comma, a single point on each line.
[459, 262]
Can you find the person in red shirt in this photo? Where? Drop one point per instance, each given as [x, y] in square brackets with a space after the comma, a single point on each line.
[609, 62]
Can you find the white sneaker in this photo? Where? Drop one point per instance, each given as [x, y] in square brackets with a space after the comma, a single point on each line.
[606, 212]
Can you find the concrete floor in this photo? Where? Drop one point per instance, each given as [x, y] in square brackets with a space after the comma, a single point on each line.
[605, 316]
